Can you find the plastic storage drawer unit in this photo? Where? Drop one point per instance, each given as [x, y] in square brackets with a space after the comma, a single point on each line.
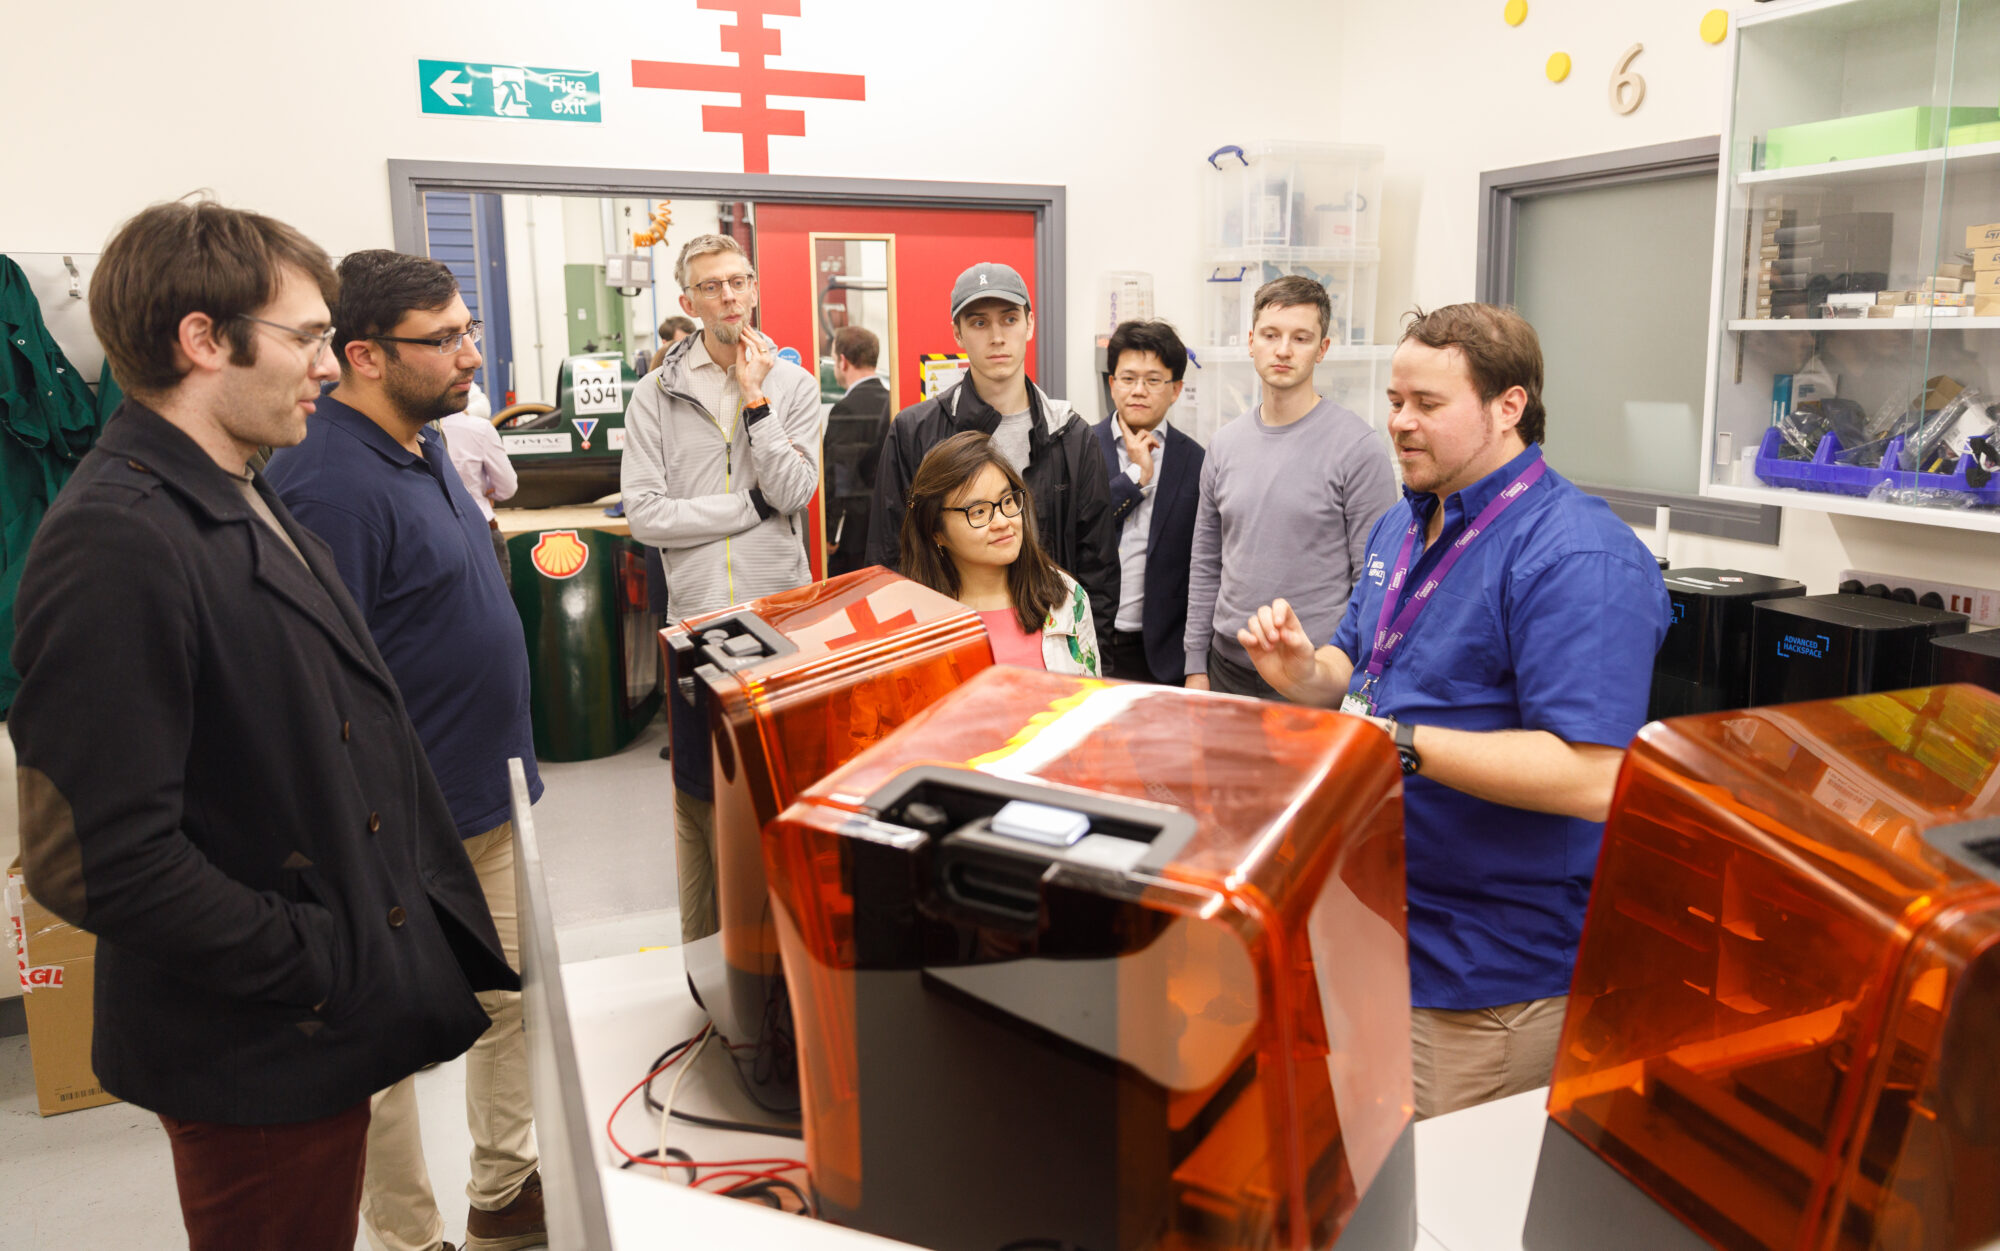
[795, 685]
[1108, 965]
[1787, 996]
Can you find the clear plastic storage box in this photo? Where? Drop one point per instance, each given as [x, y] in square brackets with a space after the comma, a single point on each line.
[1225, 387]
[1229, 290]
[1297, 195]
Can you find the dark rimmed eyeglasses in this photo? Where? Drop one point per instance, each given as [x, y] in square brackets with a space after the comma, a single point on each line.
[979, 512]
[446, 345]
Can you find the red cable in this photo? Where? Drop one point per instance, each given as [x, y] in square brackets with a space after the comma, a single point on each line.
[788, 1165]
[612, 1134]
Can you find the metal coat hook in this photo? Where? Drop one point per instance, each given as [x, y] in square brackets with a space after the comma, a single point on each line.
[75, 279]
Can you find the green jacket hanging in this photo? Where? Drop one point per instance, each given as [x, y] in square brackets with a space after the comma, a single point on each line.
[48, 420]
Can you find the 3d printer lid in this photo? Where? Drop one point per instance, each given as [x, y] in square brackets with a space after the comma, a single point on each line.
[1865, 612]
[1728, 584]
[800, 627]
[1246, 769]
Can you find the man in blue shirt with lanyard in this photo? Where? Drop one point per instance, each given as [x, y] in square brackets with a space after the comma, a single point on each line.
[1505, 626]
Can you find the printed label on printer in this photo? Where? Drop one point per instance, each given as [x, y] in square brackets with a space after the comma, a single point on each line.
[1815, 646]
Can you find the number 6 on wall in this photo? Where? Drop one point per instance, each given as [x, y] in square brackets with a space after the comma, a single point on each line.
[1627, 88]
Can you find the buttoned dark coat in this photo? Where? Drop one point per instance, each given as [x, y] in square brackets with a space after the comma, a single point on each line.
[219, 780]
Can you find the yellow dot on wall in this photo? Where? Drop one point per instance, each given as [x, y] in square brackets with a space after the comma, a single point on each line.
[1558, 68]
[1714, 25]
[1516, 12]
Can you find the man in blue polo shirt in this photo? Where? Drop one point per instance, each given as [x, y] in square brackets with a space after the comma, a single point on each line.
[417, 555]
[1503, 633]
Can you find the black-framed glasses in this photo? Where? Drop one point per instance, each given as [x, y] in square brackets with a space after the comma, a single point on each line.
[446, 345]
[312, 342]
[737, 283]
[1151, 382]
[979, 512]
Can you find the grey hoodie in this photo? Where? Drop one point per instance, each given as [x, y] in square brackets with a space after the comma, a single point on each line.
[687, 489]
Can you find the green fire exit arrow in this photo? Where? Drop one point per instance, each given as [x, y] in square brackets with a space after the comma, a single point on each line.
[477, 89]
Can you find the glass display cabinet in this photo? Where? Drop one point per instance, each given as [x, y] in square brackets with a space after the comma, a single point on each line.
[1857, 282]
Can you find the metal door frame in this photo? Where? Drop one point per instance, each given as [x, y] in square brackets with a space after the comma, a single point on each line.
[409, 180]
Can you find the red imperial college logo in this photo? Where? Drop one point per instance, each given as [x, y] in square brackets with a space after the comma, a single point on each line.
[560, 554]
[751, 81]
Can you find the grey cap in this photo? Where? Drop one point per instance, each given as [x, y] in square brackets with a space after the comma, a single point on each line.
[988, 280]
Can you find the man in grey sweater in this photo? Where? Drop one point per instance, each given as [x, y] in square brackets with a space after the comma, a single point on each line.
[1289, 493]
[722, 454]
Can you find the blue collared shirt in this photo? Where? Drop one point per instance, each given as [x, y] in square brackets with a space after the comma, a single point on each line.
[417, 555]
[1549, 621]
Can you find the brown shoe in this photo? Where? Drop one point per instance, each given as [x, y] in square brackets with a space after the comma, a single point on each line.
[517, 1226]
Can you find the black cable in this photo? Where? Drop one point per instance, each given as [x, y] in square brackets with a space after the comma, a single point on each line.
[743, 1127]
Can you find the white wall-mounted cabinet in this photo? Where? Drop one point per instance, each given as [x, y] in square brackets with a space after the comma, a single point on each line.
[1864, 144]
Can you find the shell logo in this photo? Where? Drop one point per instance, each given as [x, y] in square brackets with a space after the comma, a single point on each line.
[560, 554]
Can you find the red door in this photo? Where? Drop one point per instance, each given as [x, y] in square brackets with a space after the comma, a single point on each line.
[928, 250]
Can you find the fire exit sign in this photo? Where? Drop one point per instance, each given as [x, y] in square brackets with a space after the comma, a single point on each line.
[479, 89]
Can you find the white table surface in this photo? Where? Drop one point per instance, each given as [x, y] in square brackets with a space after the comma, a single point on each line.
[1474, 1168]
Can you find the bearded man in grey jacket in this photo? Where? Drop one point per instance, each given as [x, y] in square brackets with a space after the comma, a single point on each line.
[722, 456]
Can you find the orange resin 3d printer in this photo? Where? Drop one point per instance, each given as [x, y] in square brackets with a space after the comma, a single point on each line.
[794, 685]
[1785, 1026]
[1105, 965]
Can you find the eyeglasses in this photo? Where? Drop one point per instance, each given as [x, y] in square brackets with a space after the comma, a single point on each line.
[446, 345]
[1151, 382]
[979, 512]
[312, 342]
[737, 283]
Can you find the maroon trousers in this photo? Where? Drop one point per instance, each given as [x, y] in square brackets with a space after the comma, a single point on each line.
[283, 1187]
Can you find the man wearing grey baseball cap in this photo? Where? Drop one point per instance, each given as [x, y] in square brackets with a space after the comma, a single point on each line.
[1048, 442]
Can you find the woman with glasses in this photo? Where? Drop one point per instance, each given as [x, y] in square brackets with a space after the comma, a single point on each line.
[968, 532]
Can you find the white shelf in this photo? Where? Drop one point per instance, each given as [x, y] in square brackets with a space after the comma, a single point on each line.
[1966, 156]
[1813, 325]
[1987, 519]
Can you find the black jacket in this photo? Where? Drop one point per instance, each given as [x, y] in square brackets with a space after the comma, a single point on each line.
[855, 432]
[1169, 542]
[1065, 476]
[219, 780]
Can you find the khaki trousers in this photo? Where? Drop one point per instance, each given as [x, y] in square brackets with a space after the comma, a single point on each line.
[694, 865]
[1458, 1059]
[398, 1210]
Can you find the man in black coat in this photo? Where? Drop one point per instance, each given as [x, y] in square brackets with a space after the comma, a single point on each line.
[1155, 477]
[855, 432]
[1044, 439]
[217, 775]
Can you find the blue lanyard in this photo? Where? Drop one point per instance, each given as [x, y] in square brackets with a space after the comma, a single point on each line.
[1393, 627]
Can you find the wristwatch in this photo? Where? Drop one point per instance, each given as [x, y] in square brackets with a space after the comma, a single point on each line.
[1405, 736]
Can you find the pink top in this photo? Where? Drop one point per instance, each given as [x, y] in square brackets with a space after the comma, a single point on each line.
[1011, 644]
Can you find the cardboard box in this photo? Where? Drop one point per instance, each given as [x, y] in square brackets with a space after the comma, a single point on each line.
[1987, 236]
[1943, 299]
[1953, 285]
[57, 965]
[1956, 269]
[1986, 306]
[1986, 258]
[1895, 297]
[1987, 283]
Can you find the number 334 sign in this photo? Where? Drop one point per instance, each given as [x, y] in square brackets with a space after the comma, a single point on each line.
[595, 386]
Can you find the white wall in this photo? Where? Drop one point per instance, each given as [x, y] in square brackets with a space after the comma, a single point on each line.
[1452, 91]
[294, 111]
